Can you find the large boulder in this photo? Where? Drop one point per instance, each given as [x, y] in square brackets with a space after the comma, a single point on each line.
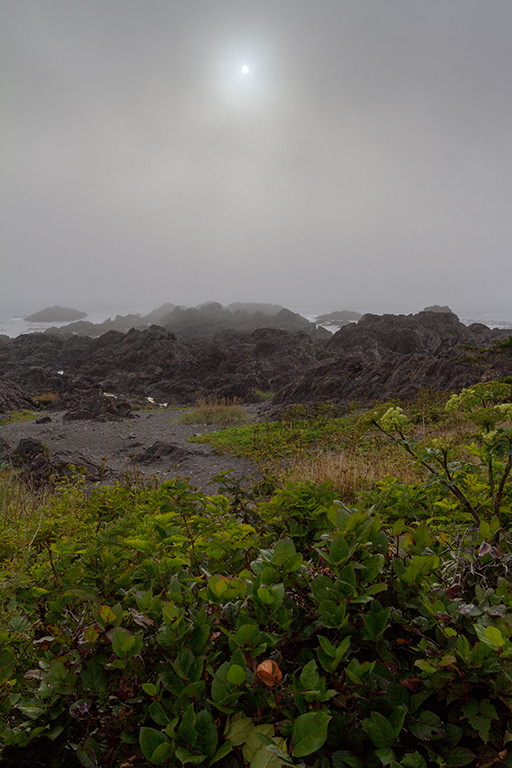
[36, 465]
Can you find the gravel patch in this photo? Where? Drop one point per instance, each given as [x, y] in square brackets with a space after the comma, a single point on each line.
[123, 447]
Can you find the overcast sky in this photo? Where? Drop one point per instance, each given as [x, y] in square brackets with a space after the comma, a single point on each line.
[363, 162]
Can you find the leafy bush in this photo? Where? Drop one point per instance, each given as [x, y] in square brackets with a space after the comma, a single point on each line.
[179, 635]
[478, 486]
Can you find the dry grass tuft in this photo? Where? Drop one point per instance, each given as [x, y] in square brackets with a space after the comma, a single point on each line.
[215, 411]
[47, 398]
[353, 471]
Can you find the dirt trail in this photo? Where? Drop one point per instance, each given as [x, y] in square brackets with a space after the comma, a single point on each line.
[118, 445]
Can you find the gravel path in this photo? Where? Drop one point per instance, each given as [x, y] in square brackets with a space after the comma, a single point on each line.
[119, 444]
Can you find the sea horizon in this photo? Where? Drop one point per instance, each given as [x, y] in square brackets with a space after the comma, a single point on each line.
[13, 322]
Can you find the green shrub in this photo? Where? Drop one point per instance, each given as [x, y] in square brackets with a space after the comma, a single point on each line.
[179, 635]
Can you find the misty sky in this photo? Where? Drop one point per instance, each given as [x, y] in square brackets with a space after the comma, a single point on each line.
[364, 161]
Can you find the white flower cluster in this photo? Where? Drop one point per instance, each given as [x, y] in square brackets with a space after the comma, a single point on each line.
[393, 419]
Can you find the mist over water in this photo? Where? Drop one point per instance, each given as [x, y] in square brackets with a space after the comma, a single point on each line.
[13, 323]
[363, 161]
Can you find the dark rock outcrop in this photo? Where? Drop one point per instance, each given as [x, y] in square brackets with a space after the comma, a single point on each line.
[396, 356]
[36, 465]
[94, 406]
[13, 398]
[160, 451]
[377, 358]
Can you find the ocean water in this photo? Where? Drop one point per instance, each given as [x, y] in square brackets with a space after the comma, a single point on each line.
[13, 323]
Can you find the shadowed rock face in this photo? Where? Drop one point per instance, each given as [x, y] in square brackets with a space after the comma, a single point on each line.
[13, 398]
[155, 363]
[39, 467]
[395, 356]
[378, 358]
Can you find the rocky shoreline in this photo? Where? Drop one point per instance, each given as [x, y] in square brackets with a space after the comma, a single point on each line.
[92, 386]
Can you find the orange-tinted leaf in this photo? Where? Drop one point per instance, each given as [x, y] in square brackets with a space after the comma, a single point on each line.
[268, 672]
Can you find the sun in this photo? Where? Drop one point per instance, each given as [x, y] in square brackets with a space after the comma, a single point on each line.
[245, 69]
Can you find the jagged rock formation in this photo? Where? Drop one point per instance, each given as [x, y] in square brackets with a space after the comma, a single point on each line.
[378, 358]
[396, 356]
[13, 398]
[154, 363]
[202, 322]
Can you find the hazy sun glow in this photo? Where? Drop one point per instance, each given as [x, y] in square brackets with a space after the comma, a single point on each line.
[245, 69]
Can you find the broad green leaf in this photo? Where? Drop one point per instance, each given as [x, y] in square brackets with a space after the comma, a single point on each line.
[338, 551]
[488, 709]
[187, 729]
[293, 563]
[309, 733]
[59, 671]
[494, 636]
[380, 730]
[385, 755]
[124, 644]
[253, 743]
[327, 646]
[107, 615]
[376, 623]
[149, 688]
[159, 714]
[222, 752]
[32, 712]
[310, 678]
[238, 727]
[418, 567]
[267, 758]
[150, 739]
[248, 635]
[283, 550]
[397, 718]
[185, 756]
[272, 746]
[428, 726]
[459, 756]
[207, 736]
[89, 754]
[236, 675]
[265, 596]
[480, 715]
[413, 760]
[425, 666]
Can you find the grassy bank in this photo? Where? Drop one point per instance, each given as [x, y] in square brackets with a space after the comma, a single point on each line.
[162, 626]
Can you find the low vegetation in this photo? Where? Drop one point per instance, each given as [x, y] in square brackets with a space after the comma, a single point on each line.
[24, 415]
[215, 411]
[169, 627]
[47, 398]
